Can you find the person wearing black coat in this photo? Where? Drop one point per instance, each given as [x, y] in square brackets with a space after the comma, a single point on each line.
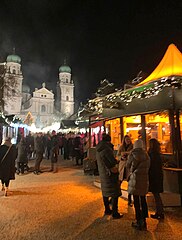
[109, 176]
[156, 177]
[54, 151]
[78, 149]
[8, 154]
[48, 146]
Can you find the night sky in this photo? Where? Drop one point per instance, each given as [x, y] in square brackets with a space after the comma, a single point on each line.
[100, 39]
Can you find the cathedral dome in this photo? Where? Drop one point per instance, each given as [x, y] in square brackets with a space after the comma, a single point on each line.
[13, 58]
[25, 89]
[65, 68]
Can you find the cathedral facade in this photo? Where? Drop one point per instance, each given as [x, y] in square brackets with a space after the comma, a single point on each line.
[40, 104]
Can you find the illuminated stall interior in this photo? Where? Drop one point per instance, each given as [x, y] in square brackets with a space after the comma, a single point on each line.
[114, 130]
[132, 127]
[158, 126]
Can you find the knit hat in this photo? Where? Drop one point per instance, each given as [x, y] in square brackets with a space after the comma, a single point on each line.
[138, 144]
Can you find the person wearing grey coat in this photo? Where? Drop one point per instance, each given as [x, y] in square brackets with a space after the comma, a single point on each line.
[39, 148]
[22, 157]
[108, 172]
[138, 182]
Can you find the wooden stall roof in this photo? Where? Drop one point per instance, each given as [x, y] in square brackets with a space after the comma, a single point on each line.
[170, 65]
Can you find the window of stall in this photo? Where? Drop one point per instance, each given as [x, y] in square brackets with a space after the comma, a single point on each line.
[114, 130]
[158, 126]
[132, 126]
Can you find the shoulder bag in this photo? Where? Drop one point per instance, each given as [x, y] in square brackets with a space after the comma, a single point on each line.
[6, 154]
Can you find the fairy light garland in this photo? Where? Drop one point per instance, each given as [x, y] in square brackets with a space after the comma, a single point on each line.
[127, 96]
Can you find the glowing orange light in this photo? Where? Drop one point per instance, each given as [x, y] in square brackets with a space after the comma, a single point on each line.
[170, 65]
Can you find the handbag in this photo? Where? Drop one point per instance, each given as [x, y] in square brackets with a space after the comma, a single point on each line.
[5, 154]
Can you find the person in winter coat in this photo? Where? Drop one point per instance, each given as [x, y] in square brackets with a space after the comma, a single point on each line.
[108, 171]
[39, 148]
[138, 162]
[8, 154]
[65, 147]
[156, 177]
[30, 145]
[122, 155]
[48, 146]
[54, 151]
[78, 149]
[22, 157]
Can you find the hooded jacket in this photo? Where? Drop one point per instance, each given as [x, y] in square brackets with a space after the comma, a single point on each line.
[106, 161]
[138, 162]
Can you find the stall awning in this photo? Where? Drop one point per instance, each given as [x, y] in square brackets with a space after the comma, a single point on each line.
[170, 65]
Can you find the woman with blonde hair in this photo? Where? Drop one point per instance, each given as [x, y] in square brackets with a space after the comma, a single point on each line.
[122, 156]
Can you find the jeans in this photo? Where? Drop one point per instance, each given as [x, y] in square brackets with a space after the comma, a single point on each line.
[141, 208]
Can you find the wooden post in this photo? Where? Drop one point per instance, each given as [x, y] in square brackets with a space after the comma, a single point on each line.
[173, 134]
[143, 124]
[121, 129]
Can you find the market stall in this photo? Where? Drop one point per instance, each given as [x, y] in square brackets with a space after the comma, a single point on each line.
[151, 109]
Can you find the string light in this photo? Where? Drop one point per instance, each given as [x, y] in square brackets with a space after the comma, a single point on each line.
[126, 96]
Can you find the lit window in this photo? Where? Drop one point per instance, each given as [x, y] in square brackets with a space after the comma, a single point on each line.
[157, 126]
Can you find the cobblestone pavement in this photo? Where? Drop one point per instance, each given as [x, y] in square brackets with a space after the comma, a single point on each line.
[66, 205]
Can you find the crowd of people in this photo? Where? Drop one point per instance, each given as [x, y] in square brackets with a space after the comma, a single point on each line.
[15, 158]
[70, 145]
[141, 168]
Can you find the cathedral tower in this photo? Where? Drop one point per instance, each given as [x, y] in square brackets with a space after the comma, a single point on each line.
[66, 90]
[13, 85]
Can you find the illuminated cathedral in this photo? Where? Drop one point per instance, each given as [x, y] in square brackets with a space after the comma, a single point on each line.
[40, 104]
